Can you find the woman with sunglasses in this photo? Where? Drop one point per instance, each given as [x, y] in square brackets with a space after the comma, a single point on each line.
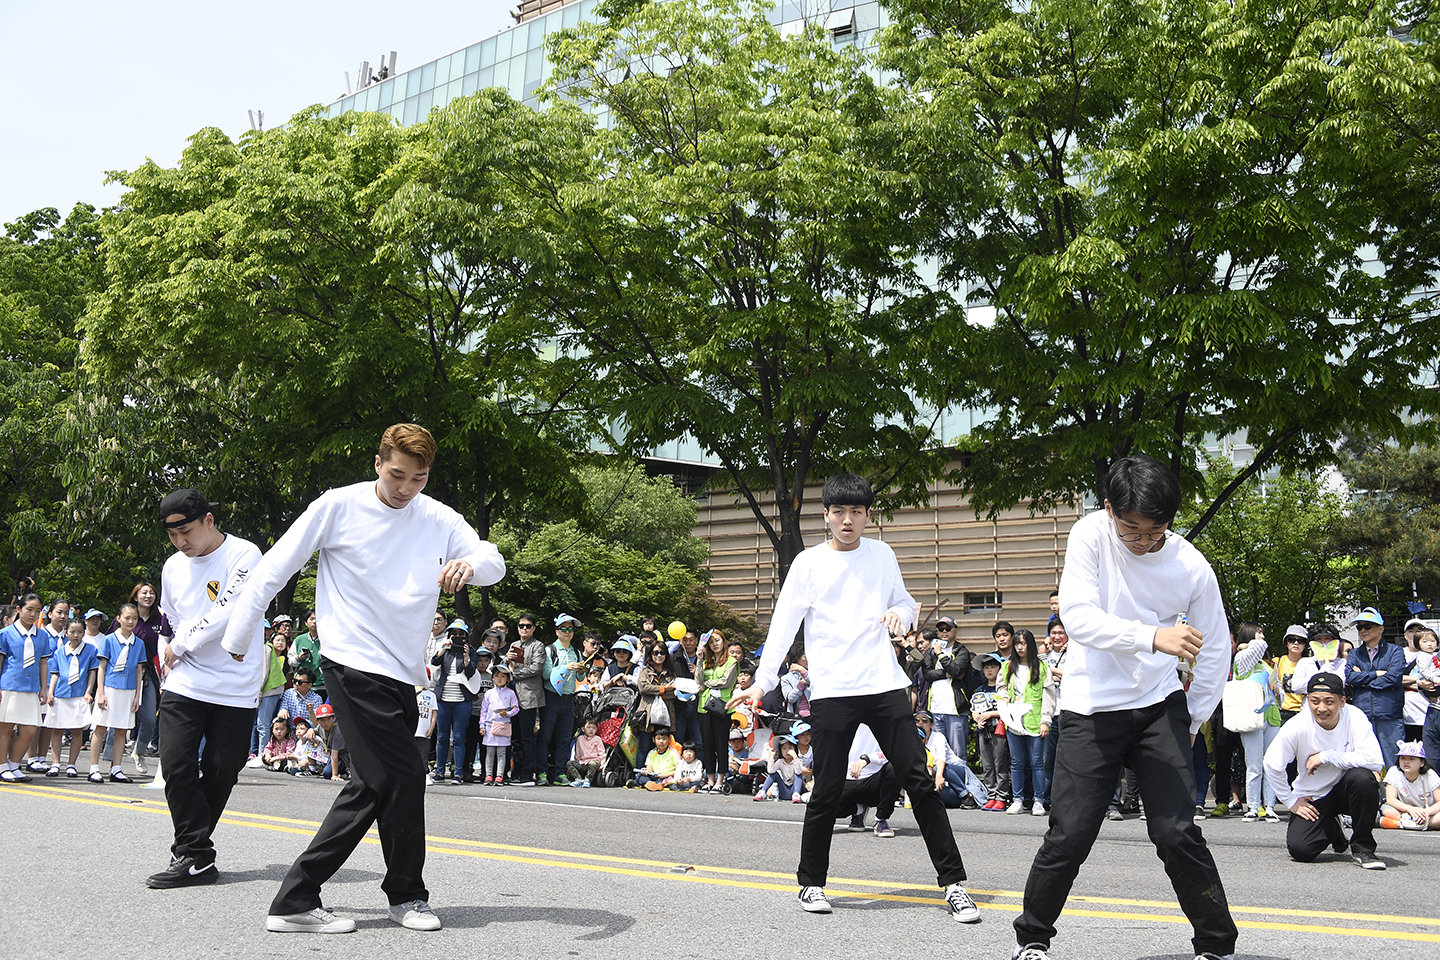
[656, 686]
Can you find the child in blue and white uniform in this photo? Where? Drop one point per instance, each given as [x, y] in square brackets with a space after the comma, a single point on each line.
[24, 653]
[72, 690]
[117, 697]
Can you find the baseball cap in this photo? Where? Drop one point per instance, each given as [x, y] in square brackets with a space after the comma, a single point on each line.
[1416, 622]
[190, 504]
[924, 715]
[501, 667]
[283, 618]
[799, 728]
[1412, 749]
[947, 620]
[305, 720]
[737, 734]
[994, 658]
[92, 612]
[458, 624]
[1324, 630]
[626, 642]
[324, 710]
[565, 618]
[1369, 615]
[1326, 682]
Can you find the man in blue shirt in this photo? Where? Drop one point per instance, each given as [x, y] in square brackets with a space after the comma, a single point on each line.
[1373, 674]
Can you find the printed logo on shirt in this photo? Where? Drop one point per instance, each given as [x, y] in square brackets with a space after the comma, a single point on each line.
[212, 590]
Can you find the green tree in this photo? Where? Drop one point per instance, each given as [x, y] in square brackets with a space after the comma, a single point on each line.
[723, 261]
[629, 554]
[49, 271]
[1273, 547]
[273, 305]
[1393, 525]
[1168, 206]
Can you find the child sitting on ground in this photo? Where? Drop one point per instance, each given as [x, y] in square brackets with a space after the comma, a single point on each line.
[784, 781]
[310, 755]
[280, 753]
[660, 764]
[689, 773]
[589, 755]
[1410, 792]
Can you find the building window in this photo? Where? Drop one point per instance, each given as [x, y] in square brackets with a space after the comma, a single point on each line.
[841, 23]
[984, 602]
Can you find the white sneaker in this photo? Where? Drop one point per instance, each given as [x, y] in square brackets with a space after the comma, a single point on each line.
[141, 767]
[415, 915]
[429, 780]
[319, 920]
[254, 762]
[1408, 821]
[1031, 951]
[1015, 808]
[1039, 810]
[962, 908]
[812, 900]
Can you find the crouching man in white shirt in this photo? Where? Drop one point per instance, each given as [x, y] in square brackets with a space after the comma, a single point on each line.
[386, 552]
[1337, 757]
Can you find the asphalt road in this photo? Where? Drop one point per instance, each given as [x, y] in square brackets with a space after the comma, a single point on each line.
[555, 872]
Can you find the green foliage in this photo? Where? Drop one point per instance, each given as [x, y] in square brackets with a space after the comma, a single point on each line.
[1169, 206]
[49, 271]
[722, 261]
[630, 554]
[1273, 548]
[1394, 522]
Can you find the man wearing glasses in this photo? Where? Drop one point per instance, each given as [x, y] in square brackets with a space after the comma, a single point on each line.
[1373, 675]
[1134, 598]
[527, 659]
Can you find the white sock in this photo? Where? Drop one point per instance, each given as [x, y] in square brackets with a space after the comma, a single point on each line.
[94, 768]
[11, 766]
[114, 768]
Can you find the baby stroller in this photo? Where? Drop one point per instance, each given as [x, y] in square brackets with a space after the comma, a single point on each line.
[612, 714]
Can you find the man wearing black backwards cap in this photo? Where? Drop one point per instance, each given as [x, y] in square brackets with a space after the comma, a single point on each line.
[207, 695]
[1338, 757]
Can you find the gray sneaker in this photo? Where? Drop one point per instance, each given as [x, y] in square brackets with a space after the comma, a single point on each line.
[962, 908]
[319, 920]
[883, 829]
[1367, 859]
[415, 915]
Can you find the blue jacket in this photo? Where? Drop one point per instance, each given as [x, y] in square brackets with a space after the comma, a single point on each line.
[1379, 698]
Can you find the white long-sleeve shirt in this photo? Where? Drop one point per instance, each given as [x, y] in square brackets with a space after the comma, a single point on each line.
[198, 596]
[1112, 603]
[842, 597]
[378, 577]
[1350, 745]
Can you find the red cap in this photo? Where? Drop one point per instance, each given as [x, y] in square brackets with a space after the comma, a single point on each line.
[324, 710]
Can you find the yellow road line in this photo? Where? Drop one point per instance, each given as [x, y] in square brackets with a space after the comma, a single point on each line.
[626, 866]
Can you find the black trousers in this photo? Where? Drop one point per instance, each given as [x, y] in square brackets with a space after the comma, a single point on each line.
[1155, 741]
[1227, 744]
[196, 802]
[525, 745]
[473, 734]
[1358, 794]
[833, 722]
[715, 733]
[880, 790]
[378, 716]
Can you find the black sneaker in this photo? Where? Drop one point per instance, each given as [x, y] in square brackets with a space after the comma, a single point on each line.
[183, 872]
[1368, 860]
[812, 900]
[1031, 951]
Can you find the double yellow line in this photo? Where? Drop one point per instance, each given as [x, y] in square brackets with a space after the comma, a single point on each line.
[1156, 911]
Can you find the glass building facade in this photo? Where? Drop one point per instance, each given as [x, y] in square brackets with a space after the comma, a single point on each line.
[514, 59]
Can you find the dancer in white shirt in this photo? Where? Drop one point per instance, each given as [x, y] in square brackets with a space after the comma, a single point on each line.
[849, 594]
[386, 552]
[1134, 598]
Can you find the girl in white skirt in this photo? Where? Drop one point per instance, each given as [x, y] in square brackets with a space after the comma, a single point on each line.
[118, 696]
[23, 653]
[72, 691]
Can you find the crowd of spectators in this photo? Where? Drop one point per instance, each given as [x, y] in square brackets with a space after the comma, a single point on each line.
[649, 709]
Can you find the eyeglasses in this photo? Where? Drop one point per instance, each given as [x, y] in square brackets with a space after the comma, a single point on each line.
[1139, 537]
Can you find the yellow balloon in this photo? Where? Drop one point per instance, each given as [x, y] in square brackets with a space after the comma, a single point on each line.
[676, 630]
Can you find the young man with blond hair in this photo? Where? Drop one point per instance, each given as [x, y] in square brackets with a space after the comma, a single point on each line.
[386, 551]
